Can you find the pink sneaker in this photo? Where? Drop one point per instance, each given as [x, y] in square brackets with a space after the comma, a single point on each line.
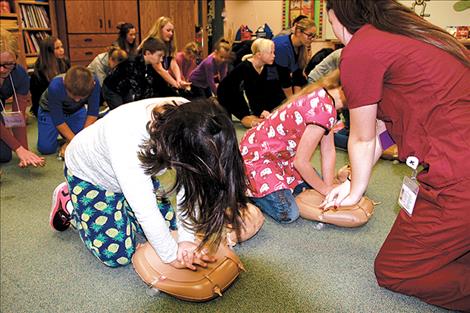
[59, 218]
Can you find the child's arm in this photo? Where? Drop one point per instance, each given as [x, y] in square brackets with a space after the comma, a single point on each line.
[55, 96]
[209, 71]
[328, 158]
[307, 146]
[93, 104]
[165, 75]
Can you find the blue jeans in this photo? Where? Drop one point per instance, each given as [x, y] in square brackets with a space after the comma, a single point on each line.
[281, 205]
[47, 131]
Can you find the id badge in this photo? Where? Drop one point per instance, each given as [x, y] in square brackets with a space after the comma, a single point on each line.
[408, 194]
[13, 119]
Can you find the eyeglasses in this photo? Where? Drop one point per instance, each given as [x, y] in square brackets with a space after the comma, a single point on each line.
[8, 66]
[310, 35]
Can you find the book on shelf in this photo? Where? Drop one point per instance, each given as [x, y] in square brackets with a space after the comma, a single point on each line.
[34, 16]
[32, 40]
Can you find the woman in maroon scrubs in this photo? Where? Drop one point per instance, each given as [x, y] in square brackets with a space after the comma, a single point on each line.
[414, 76]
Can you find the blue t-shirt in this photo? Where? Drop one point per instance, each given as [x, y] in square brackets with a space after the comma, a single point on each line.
[285, 54]
[20, 81]
[56, 100]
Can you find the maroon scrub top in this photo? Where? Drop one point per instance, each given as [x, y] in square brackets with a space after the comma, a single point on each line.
[423, 96]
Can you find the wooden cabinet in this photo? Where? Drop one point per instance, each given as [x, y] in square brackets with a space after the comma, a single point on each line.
[92, 26]
[98, 16]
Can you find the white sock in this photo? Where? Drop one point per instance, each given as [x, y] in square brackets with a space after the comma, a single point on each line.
[69, 207]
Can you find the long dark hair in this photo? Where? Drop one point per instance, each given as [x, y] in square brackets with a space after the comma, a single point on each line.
[124, 29]
[198, 141]
[393, 17]
[47, 63]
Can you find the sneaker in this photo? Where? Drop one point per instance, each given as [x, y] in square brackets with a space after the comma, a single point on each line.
[59, 218]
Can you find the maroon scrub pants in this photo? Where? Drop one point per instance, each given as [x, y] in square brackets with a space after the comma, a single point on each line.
[427, 255]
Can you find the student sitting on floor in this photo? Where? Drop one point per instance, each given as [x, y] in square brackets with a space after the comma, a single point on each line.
[252, 89]
[167, 69]
[135, 78]
[186, 59]
[105, 62]
[111, 171]
[51, 62]
[278, 151]
[211, 71]
[68, 105]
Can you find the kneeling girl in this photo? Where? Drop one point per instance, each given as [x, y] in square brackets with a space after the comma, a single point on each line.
[278, 151]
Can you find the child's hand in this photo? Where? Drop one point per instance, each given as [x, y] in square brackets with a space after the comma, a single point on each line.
[61, 153]
[183, 84]
[264, 114]
[187, 256]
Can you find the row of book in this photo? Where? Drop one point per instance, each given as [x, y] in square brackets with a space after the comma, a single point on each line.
[34, 16]
[32, 40]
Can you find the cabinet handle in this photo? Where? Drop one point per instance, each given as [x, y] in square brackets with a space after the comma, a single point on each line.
[88, 40]
[88, 53]
[109, 24]
[101, 23]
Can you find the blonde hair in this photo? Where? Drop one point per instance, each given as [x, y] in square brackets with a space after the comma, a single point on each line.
[117, 54]
[302, 26]
[259, 45]
[156, 32]
[191, 48]
[8, 42]
[329, 81]
[222, 44]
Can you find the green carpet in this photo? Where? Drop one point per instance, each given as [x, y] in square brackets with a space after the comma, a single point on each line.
[290, 268]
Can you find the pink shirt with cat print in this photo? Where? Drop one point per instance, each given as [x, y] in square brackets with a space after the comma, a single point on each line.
[269, 149]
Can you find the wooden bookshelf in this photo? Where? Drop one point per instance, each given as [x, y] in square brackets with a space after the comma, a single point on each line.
[30, 21]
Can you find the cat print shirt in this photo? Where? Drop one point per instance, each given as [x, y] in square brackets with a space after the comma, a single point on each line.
[269, 149]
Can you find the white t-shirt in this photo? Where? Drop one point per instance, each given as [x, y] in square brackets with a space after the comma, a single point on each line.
[105, 154]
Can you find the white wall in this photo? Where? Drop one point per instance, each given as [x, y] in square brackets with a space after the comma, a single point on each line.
[441, 13]
[255, 13]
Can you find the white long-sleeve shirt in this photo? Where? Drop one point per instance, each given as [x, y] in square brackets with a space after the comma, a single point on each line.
[105, 154]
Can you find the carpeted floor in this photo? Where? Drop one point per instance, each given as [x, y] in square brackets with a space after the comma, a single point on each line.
[290, 268]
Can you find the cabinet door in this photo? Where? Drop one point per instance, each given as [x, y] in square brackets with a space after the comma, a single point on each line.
[120, 11]
[181, 12]
[85, 17]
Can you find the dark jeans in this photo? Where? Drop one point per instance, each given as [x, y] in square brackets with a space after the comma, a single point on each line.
[281, 205]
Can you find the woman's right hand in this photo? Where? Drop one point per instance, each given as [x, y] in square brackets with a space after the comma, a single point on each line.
[29, 158]
[337, 195]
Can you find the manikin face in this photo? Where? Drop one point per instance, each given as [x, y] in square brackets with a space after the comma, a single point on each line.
[338, 29]
[167, 32]
[59, 49]
[153, 58]
[7, 64]
[130, 38]
[267, 57]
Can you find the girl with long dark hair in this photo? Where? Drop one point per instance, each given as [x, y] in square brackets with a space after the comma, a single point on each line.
[112, 175]
[50, 63]
[127, 38]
